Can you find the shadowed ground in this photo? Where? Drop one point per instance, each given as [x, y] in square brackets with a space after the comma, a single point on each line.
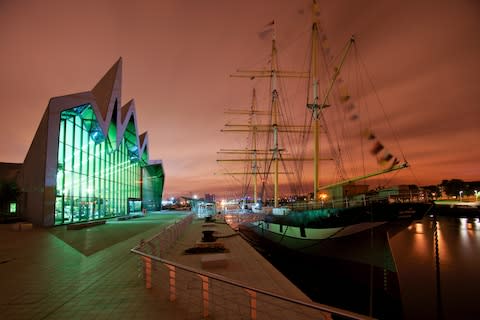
[93, 239]
[47, 276]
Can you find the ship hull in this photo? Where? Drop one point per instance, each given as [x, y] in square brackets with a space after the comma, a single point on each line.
[348, 266]
[363, 240]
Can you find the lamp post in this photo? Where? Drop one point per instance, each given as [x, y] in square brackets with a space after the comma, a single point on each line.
[460, 193]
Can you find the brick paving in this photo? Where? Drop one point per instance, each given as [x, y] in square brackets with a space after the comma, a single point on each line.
[245, 264]
[45, 277]
[52, 273]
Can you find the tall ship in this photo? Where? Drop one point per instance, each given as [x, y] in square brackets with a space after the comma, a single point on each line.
[344, 218]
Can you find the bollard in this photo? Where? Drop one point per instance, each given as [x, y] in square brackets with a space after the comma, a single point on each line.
[148, 272]
[204, 295]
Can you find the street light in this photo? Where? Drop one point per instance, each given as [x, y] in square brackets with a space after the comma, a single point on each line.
[460, 193]
[476, 195]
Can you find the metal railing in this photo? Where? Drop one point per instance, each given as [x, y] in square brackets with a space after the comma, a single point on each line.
[354, 202]
[202, 294]
[234, 219]
[160, 243]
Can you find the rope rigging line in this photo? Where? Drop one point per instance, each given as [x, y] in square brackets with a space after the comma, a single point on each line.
[295, 187]
[382, 107]
[232, 186]
[328, 61]
[360, 89]
[291, 141]
[264, 181]
[345, 152]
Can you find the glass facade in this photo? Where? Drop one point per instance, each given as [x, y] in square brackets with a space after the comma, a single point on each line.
[95, 178]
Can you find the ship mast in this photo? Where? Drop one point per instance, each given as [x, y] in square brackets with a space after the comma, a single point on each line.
[274, 74]
[314, 105]
[317, 110]
[254, 147]
[276, 150]
[252, 152]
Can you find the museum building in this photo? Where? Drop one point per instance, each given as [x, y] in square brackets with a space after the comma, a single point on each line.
[87, 160]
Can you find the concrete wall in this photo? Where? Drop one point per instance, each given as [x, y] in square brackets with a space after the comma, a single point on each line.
[39, 173]
[33, 176]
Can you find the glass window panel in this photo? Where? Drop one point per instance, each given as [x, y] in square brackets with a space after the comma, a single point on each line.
[91, 183]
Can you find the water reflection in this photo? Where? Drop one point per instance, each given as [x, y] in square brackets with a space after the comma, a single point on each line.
[448, 277]
[438, 274]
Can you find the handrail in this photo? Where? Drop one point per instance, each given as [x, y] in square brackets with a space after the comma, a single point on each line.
[190, 216]
[317, 306]
[365, 201]
[171, 233]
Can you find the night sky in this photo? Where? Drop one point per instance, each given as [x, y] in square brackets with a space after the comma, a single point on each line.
[423, 56]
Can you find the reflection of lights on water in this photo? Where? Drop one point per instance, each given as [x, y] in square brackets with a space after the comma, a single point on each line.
[463, 222]
[417, 228]
[469, 228]
[464, 233]
[473, 224]
[469, 223]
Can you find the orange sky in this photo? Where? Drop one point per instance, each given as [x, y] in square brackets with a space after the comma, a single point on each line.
[177, 57]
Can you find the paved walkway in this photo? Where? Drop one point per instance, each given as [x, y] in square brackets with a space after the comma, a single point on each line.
[245, 264]
[52, 273]
[79, 274]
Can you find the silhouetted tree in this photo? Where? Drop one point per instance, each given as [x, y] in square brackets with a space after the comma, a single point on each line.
[432, 189]
[453, 187]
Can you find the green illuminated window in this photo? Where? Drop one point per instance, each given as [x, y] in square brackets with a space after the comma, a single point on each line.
[95, 178]
[13, 207]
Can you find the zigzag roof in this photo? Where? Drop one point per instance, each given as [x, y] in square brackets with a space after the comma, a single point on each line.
[38, 175]
[107, 93]
[126, 115]
[105, 99]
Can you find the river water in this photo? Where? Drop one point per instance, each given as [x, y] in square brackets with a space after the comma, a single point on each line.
[432, 282]
[447, 288]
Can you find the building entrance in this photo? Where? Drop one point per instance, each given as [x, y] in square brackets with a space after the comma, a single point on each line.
[134, 205]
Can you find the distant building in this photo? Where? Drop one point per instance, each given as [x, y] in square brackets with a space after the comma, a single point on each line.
[403, 193]
[209, 197]
[347, 191]
[87, 160]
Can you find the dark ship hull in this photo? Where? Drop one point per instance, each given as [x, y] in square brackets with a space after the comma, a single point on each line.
[343, 261]
[358, 234]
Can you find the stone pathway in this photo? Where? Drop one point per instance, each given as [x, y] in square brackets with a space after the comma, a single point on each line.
[44, 277]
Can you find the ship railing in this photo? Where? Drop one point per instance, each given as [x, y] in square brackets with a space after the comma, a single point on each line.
[337, 203]
[205, 295]
[235, 219]
[315, 205]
